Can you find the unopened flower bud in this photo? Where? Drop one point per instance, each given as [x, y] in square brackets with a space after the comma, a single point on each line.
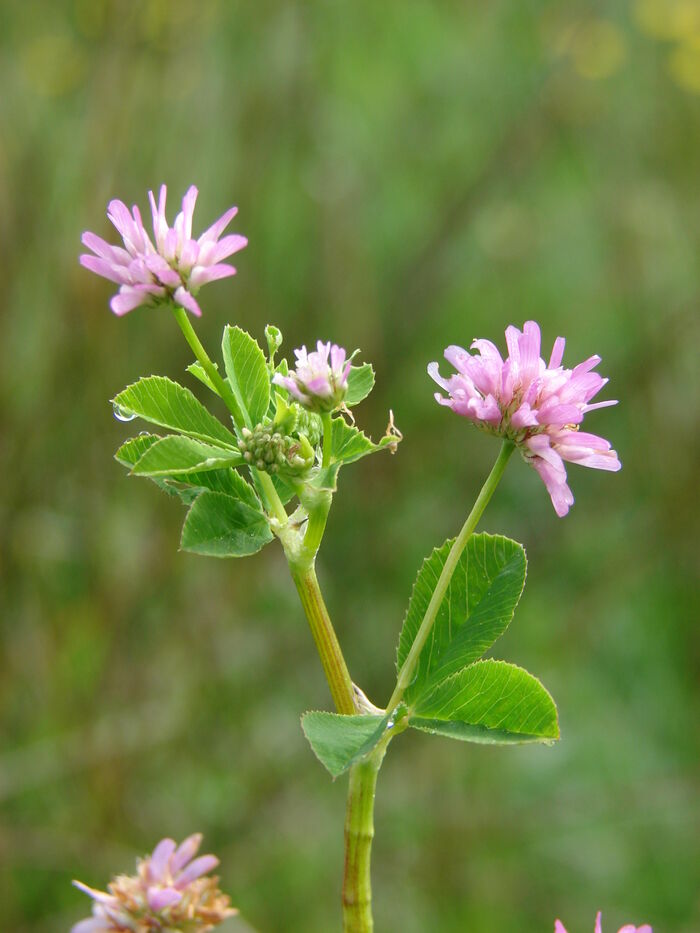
[320, 379]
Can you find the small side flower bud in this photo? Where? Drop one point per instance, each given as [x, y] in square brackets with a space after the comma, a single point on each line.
[320, 379]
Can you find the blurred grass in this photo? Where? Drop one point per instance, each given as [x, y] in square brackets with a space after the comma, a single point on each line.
[409, 175]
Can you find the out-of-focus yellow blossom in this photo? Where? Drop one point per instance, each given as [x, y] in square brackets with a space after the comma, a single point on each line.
[684, 65]
[598, 49]
[668, 19]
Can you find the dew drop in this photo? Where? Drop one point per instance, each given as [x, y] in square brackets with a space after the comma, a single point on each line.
[121, 414]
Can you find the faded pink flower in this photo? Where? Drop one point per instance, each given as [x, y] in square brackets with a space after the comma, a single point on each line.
[538, 406]
[320, 379]
[169, 891]
[627, 928]
[174, 268]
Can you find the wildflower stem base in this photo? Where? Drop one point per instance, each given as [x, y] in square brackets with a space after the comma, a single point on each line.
[359, 833]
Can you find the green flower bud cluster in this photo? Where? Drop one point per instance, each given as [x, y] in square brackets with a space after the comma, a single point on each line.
[292, 419]
[269, 451]
[309, 424]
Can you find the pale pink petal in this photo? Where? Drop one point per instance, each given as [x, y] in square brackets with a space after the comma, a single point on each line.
[127, 299]
[159, 898]
[200, 275]
[529, 345]
[159, 862]
[200, 866]
[488, 350]
[523, 417]
[106, 269]
[188, 203]
[92, 925]
[559, 492]
[160, 224]
[185, 851]
[216, 252]
[188, 301]
[101, 896]
[189, 255]
[597, 923]
[160, 268]
[559, 927]
[513, 336]
[557, 353]
[434, 373]
[104, 249]
[337, 357]
[218, 227]
[595, 405]
[552, 413]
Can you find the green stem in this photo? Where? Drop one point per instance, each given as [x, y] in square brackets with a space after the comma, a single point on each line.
[327, 438]
[332, 659]
[487, 490]
[229, 399]
[359, 820]
[359, 833]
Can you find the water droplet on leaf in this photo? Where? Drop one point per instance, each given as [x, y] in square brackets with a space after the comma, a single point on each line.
[121, 414]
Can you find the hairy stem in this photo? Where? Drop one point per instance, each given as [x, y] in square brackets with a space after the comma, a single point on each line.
[222, 387]
[487, 490]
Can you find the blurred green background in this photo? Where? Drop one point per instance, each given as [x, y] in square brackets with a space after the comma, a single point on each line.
[410, 174]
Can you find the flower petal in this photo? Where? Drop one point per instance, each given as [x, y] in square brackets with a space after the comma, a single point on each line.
[159, 863]
[200, 866]
[159, 898]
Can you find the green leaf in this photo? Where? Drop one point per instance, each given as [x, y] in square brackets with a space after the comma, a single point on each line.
[221, 526]
[199, 372]
[360, 383]
[339, 741]
[491, 702]
[176, 454]
[132, 450]
[476, 609]
[163, 402]
[349, 443]
[189, 485]
[247, 374]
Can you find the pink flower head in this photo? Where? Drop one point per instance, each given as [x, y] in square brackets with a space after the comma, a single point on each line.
[627, 928]
[174, 268]
[537, 405]
[168, 889]
[320, 379]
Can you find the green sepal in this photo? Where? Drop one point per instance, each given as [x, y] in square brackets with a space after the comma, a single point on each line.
[360, 384]
[247, 374]
[490, 702]
[477, 607]
[340, 741]
[166, 403]
[219, 525]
